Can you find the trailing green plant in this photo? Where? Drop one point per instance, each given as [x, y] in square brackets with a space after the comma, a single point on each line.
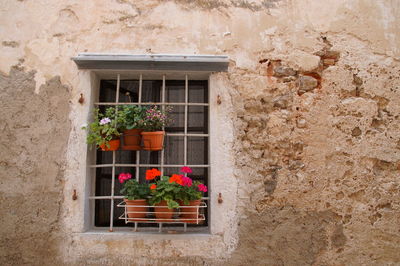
[132, 190]
[104, 127]
[155, 119]
[132, 116]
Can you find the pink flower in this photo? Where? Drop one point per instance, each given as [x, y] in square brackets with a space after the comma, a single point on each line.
[186, 181]
[186, 170]
[202, 188]
[124, 176]
[105, 120]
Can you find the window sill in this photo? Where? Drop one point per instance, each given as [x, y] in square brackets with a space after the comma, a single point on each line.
[167, 233]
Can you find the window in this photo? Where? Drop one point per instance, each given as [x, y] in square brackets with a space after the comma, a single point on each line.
[186, 142]
[209, 135]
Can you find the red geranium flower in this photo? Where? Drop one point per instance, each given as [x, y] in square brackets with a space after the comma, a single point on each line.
[202, 187]
[186, 169]
[153, 186]
[153, 173]
[124, 176]
[186, 181]
[176, 178]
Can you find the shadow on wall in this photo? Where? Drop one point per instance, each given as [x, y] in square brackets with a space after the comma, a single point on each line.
[282, 236]
[35, 131]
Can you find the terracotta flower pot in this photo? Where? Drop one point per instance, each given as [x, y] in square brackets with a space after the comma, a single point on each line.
[132, 139]
[191, 211]
[114, 145]
[163, 214]
[153, 141]
[136, 212]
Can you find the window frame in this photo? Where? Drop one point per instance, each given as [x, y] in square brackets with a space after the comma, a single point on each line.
[146, 75]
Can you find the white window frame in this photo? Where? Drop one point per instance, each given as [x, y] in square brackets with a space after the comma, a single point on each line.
[222, 238]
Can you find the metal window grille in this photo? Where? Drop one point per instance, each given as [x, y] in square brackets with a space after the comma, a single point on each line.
[189, 100]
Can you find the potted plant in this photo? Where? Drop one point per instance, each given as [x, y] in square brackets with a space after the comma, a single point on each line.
[132, 118]
[154, 122]
[190, 196]
[104, 131]
[135, 196]
[164, 194]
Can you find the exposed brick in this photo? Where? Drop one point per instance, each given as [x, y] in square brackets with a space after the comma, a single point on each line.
[329, 62]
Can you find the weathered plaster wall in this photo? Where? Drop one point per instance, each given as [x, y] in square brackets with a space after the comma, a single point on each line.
[313, 96]
[35, 130]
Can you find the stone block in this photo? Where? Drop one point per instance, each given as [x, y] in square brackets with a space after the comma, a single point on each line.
[306, 83]
[281, 71]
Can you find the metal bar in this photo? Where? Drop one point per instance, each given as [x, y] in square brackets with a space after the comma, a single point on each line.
[162, 108]
[137, 165]
[118, 84]
[106, 197]
[152, 103]
[126, 221]
[186, 121]
[113, 162]
[138, 152]
[149, 165]
[154, 222]
[209, 129]
[121, 197]
[188, 134]
[140, 88]
[123, 204]
[157, 220]
[201, 217]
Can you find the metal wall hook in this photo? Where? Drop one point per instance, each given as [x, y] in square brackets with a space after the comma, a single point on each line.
[219, 100]
[220, 200]
[74, 196]
[81, 99]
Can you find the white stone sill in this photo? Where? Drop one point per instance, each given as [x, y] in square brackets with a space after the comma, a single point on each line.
[123, 233]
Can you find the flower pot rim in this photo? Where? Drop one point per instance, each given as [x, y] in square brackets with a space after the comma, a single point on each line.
[181, 202]
[134, 129]
[153, 132]
[116, 142]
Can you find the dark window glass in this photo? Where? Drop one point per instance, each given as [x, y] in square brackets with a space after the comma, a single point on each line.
[175, 91]
[198, 91]
[198, 119]
[197, 148]
[151, 91]
[102, 211]
[177, 116]
[129, 91]
[173, 151]
[103, 181]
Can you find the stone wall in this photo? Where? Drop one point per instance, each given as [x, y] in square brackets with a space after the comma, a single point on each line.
[313, 98]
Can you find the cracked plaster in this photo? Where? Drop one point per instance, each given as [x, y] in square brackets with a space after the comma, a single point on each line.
[317, 172]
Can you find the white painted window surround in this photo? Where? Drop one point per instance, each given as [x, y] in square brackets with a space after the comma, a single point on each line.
[221, 236]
